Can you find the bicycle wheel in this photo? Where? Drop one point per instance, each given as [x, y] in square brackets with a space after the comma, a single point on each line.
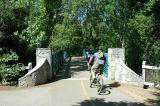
[91, 80]
[100, 85]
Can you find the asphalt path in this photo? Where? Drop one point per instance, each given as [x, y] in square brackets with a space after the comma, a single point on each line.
[74, 91]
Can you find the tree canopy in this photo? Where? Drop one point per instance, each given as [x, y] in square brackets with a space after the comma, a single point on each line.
[77, 24]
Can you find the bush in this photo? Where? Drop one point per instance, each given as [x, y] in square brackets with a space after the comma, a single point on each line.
[11, 73]
[10, 69]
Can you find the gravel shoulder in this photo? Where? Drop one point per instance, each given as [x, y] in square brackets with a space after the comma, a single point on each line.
[148, 96]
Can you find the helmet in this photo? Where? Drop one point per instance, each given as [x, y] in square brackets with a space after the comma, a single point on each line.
[101, 55]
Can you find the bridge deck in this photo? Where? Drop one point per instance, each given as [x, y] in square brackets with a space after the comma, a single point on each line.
[74, 91]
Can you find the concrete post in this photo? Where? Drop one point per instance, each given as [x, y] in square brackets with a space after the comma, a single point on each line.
[29, 67]
[143, 71]
[45, 53]
[114, 53]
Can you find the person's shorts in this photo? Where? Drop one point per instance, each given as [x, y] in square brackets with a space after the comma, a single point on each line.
[97, 68]
[94, 67]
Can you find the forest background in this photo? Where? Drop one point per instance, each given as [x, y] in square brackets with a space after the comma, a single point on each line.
[74, 25]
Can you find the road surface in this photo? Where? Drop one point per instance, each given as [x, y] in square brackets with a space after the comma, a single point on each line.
[74, 91]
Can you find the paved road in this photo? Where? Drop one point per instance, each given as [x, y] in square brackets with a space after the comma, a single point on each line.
[74, 91]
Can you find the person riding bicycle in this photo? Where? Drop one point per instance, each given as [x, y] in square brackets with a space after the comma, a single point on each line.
[99, 62]
[90, 55]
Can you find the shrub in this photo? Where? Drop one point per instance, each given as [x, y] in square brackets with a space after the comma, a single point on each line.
[10, 69]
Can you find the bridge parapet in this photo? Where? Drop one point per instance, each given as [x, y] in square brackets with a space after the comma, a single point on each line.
[125, 75]
[113, 54]
[48, 65]
[42, 72]
[38, 75]
[118, 70]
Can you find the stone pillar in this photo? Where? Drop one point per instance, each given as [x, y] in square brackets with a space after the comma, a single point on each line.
[143, 71]
[112, 54]
[29, 67]
[44, 53]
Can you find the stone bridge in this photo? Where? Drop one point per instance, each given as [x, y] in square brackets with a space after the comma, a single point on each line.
[46, 68]
[74, 90]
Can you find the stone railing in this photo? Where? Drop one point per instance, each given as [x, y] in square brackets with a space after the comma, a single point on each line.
[40, 74]
[118, 70]
[125, 75]
[151, 75]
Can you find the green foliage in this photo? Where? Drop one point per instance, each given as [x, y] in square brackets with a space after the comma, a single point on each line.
[6, 7]
[8, 57]
[143, 25]
[77, 24]
[110, 23]
[1, 36]
[20, 3]
[67, 35]
[9, 71]
[35, 33]
[62, 38]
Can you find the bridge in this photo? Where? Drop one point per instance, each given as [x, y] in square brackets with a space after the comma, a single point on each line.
[67, 91]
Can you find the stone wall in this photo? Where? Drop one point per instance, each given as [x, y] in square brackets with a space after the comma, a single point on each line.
[125, 75]
[114, 53]
[42, 53]
[118, 70]
[42, 72]
[38, 75]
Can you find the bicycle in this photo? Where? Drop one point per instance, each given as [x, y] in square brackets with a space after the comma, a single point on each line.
[97, 81]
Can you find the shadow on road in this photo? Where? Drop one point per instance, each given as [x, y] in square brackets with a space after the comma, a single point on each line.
[78, 66]
[155, 102]
[75, 66]
[106, 89]
[101, 102]
[114, 85]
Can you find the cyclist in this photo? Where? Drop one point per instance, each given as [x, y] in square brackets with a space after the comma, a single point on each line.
[98, 64]
[90, 55]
